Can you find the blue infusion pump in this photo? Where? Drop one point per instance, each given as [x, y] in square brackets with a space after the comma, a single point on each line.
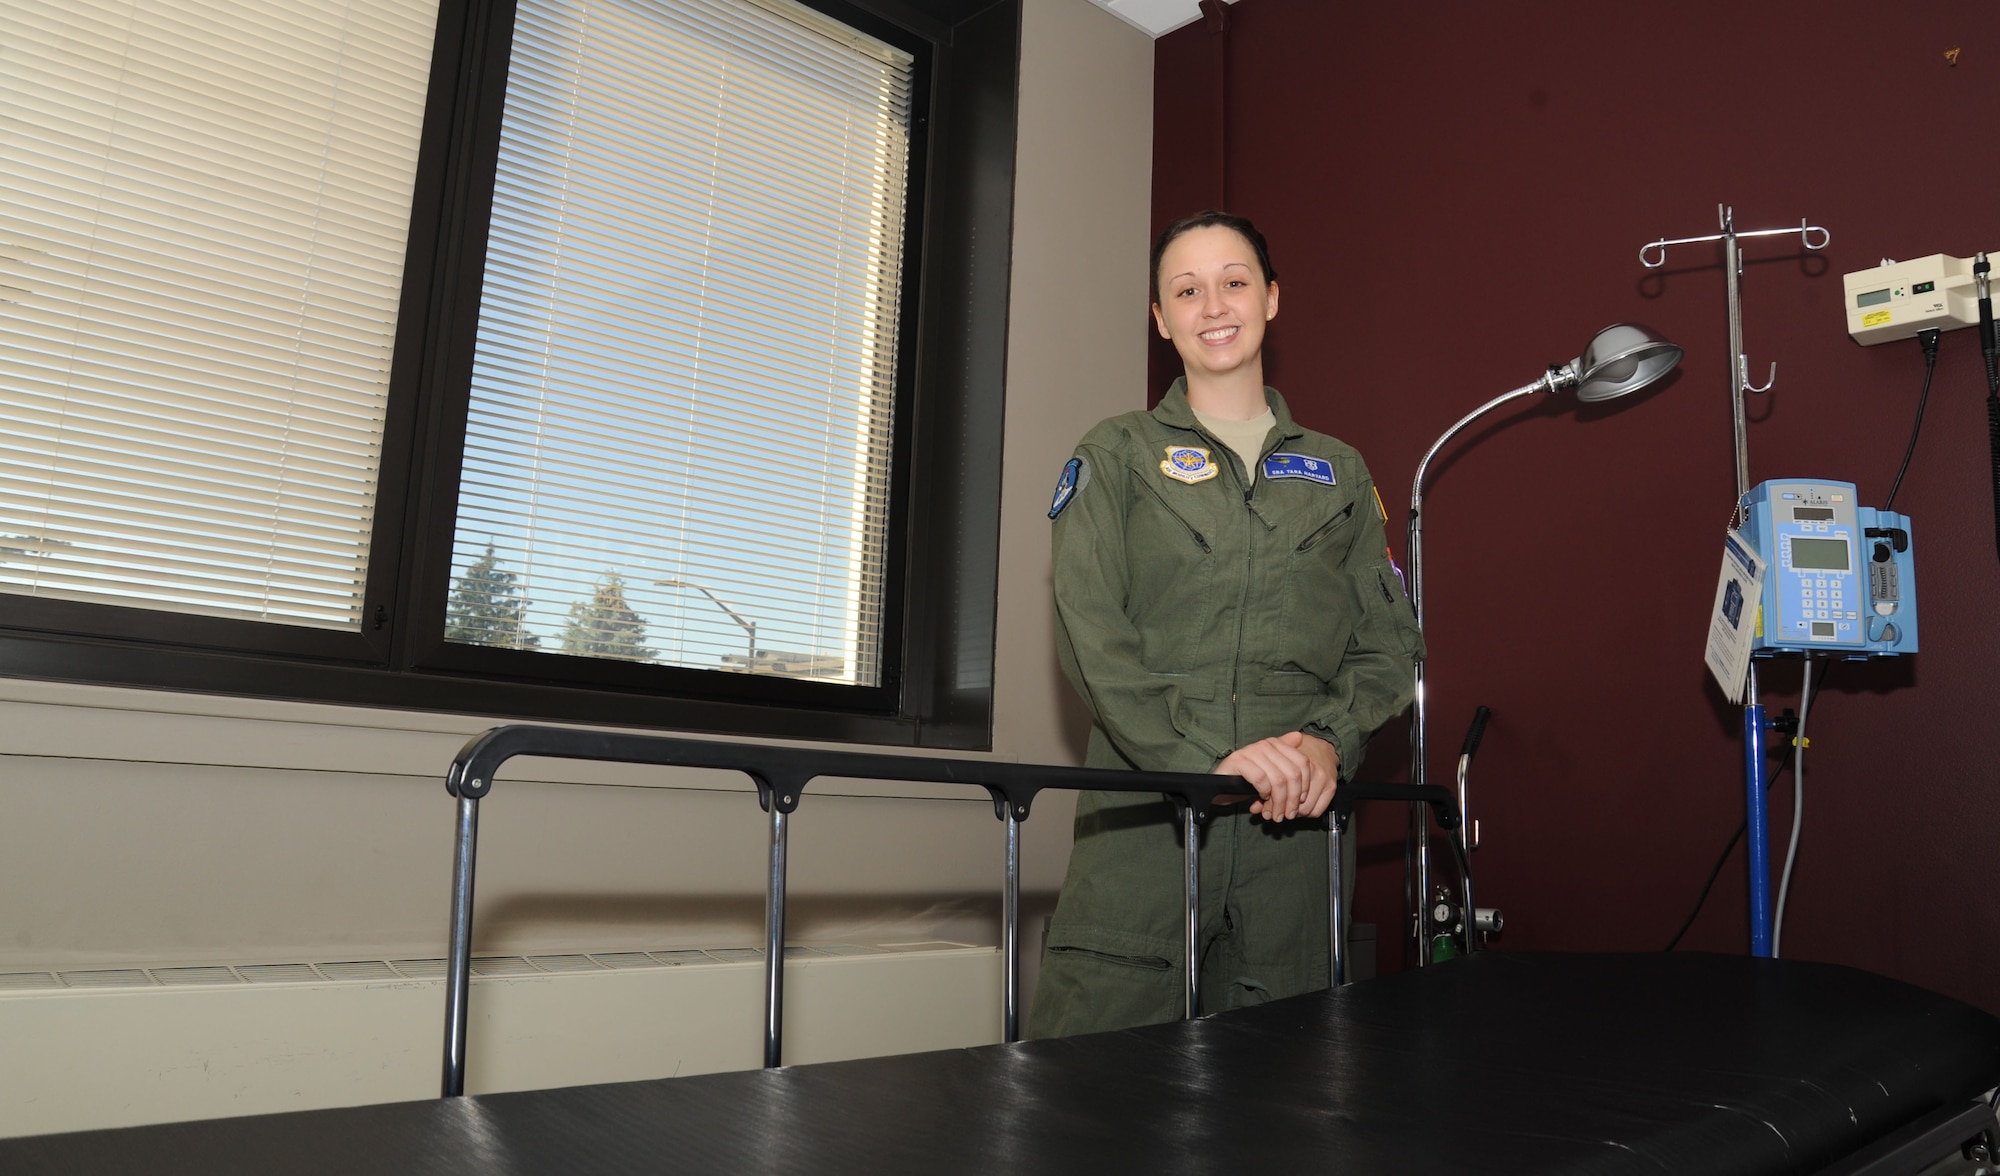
[1839, 578]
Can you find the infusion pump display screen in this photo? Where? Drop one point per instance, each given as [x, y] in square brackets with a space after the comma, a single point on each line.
[1814, 592]
[1819, 554]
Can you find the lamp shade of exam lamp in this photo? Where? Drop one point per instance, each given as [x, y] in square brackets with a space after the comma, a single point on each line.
[1619, 359]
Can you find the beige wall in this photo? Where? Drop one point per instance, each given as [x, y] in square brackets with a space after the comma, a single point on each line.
[143, 827]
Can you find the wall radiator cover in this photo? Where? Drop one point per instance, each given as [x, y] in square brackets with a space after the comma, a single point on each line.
[117, 1047]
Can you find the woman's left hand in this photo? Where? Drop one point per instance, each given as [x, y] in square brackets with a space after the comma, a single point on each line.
[1324, 781]
[1295, 774]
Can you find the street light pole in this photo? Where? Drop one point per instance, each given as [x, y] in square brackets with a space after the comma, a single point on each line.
[748, 626]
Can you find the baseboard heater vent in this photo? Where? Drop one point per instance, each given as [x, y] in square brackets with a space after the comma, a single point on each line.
[123, 1046]
[482, 966]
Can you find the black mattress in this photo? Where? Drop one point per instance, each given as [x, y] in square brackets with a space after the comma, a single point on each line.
[1503, 1062]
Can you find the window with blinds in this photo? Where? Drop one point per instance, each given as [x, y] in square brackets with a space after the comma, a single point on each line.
[678, 444]
[202, 232]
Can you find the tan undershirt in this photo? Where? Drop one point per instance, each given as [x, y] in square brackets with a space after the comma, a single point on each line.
[1246, 438]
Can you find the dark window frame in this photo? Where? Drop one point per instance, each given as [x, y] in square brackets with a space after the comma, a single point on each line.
[943, 556]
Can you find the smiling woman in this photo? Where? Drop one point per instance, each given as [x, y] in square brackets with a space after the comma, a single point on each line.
[1224, 603]
[1213, 308]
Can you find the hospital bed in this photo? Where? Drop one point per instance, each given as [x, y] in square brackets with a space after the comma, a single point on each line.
[1498, 1062]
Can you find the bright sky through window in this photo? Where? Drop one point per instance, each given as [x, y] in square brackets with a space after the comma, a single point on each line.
[202, 231]
[679, 436]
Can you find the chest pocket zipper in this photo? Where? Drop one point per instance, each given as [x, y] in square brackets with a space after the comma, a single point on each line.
[1200, 540]
[1328, 528]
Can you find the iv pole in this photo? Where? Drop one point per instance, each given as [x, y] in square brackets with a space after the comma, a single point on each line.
[1757, 817]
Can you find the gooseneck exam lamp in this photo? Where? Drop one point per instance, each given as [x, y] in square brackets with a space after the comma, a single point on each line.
[1621, 358]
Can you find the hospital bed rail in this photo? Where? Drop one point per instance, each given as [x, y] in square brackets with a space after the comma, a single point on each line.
[782, 773]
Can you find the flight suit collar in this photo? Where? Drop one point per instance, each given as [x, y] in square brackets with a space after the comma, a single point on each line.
[1175, 411]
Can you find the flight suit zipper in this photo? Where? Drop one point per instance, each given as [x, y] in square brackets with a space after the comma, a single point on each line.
[1249, 562]
[1243, 602]
[1313, 539]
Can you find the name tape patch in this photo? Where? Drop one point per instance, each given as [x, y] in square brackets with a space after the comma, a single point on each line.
[1189, 463]
[1299, 465]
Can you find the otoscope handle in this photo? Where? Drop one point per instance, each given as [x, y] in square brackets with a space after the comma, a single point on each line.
[1479, 717]
[1988, 347]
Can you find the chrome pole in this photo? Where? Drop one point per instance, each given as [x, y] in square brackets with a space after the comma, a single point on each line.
[1465, 846]
[1418, 904]
[1336, 942]
[1420, 821]
[1732, 270]
[1192, 833]
[774, 942]
[1010, 933]
[1416, 892]
[1467, 910]
[458, 969]
[1757, 831]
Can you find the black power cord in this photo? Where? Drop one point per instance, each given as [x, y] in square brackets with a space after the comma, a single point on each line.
[1770, 778]
[1929, 341]
[1993, 445]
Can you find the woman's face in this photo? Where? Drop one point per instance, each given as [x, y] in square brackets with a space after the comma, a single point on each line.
[1214, 300]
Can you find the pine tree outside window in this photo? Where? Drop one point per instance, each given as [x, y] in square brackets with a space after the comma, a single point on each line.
[488, 608]
[604, 625]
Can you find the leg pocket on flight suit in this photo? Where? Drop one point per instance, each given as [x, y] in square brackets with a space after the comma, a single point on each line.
[1091, 990]
[1144, 963]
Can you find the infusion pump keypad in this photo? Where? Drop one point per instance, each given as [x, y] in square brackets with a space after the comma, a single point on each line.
[1818, 593]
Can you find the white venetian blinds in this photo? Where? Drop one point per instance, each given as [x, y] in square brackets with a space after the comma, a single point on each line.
[678, 446]
[203, 207]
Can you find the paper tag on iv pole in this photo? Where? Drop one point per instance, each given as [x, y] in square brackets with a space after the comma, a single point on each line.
[1732, 626]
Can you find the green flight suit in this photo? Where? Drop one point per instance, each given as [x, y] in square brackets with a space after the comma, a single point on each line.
[1195, 617]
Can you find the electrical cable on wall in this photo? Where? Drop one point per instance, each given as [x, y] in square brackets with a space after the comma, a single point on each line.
[1928, 340]
[1799, 745]
[1217, 14]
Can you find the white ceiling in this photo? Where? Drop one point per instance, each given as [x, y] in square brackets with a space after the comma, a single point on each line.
[1154, 16]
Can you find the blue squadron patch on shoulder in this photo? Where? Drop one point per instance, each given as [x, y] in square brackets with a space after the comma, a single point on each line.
[1075, 476]
[1299, 465]
[1189, 463]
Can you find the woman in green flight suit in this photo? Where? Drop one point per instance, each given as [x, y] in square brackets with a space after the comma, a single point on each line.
[1224, 603]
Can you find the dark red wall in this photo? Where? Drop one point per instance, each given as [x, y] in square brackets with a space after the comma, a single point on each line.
[1456, 195]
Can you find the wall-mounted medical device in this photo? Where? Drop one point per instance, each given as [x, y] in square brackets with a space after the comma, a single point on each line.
[1897, 299]
[1840, 577]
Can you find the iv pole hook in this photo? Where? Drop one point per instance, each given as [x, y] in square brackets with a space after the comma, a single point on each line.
[1743, 375]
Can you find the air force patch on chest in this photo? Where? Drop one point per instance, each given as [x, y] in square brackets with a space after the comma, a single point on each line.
[1299, 465]
[1188, 463]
